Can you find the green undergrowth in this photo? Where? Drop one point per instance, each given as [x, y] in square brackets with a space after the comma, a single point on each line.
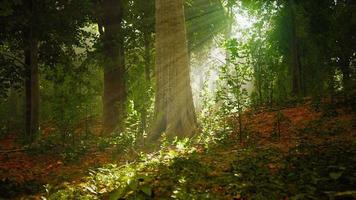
[227, 171]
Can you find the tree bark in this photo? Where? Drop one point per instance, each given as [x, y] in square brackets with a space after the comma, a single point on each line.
[294, 54]
[174, 108]
[31, 79]
[114, 66]
[32, 89]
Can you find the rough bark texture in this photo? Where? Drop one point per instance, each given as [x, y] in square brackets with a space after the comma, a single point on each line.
[114, 69]
[174, 109]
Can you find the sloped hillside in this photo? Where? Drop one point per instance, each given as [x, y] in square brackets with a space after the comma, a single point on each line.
[291, 153]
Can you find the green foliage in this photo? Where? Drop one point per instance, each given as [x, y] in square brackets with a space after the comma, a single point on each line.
[318, 35]
[252, 173]
[177, 171]
[70, 101]
[234, 81]
[11, 72]
[212, 20]
[213, 124]
[234, 78]
[312, 25]
[130, 181]
[307, 172]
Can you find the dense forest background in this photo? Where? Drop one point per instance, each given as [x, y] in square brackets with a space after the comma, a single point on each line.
[123, 81]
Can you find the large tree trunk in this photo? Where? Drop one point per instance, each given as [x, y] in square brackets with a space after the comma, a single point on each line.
[32, 89]
[114, 69]
[174, 108]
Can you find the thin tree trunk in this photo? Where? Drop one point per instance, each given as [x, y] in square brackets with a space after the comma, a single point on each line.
[295, 56]
[31, 80]
[114, 66]
[32, 89]
[147, 56]
[174, 108]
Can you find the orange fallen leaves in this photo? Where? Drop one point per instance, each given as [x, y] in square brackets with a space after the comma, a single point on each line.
[21, 167]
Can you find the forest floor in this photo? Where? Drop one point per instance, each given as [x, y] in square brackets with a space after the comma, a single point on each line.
[292, 153]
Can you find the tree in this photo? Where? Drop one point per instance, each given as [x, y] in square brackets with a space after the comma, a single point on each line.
[38, 32]
[233, 81]
[31, 78]
[174, 109]
[343, 20]
[139, 53]
[294, 58]
[212, 20]
[110, 27]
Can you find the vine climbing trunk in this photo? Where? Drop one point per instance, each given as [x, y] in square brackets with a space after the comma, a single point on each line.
[147, 30]
[114, 65]
[174, 108]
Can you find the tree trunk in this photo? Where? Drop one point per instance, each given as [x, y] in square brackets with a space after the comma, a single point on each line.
[294, 54]
[32, 89]
[174, 108]
[147, 57]
[30, 47]
[114, 66]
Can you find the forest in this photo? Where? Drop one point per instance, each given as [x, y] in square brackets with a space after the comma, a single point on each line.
[178, 99]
